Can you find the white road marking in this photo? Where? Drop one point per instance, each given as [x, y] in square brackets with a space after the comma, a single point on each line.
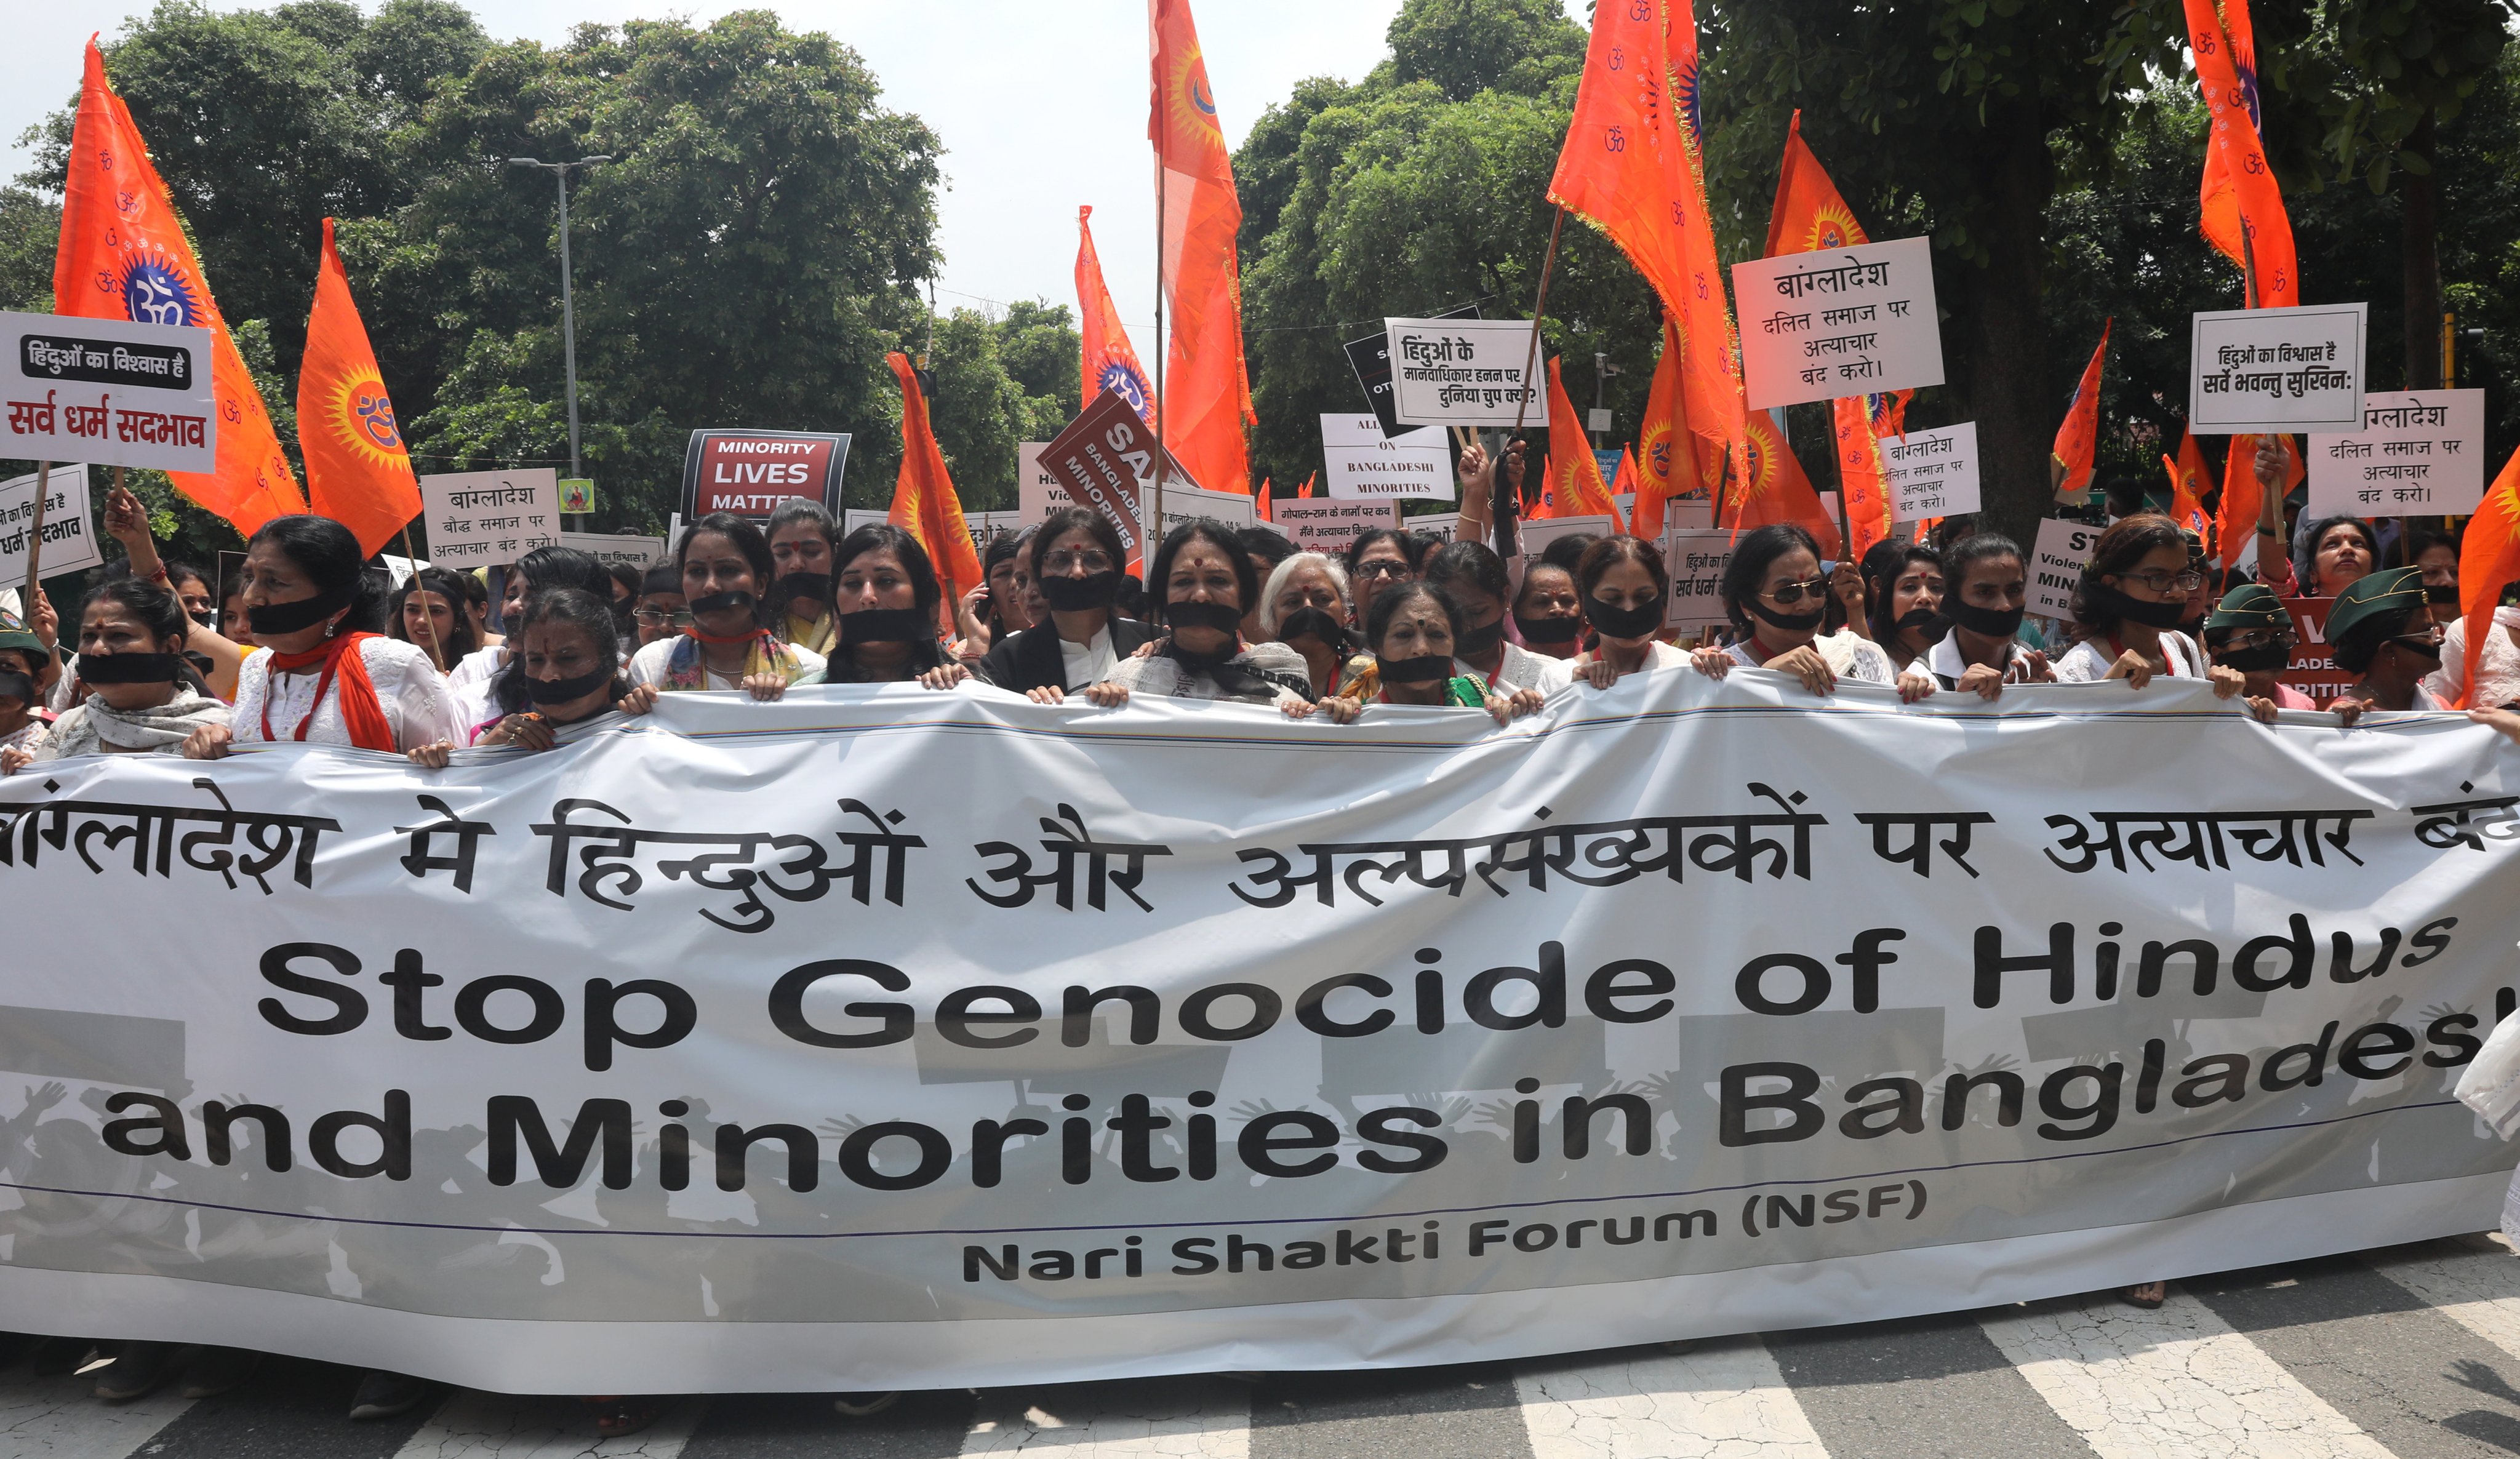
[1153, 1418]
[1725, 1400]
[58, 1418]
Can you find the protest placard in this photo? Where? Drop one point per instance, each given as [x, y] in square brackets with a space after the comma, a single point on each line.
[1932, 472]
[1695, 558]
[1316, 524]
[1536, 535]
[2057, 566]
[1105, 459]
[107, 391]
[70, 535]
[609, 548]
[480, 518]
[749, 473]
[1371, 359]
[1465, 371]
[2276, 370]
[2313, 667]
[1444, 526]
[1360, 461]
[2420, 453]
[1844, 322]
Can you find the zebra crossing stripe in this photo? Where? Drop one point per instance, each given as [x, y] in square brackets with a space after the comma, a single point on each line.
[58, 1418]
[1204, 1417]
[1724, 1398]
[2471, 1280]
[2137, 1385]
[473, 1425]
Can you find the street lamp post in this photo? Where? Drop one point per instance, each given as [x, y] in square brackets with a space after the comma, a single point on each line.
[568, 307]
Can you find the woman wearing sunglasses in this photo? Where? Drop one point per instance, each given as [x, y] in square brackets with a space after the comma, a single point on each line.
[1774, 591]
[2132, 599]
[1379, 558]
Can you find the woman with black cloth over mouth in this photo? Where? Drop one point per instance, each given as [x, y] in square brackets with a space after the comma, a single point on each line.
[1076, 568]
[1773, 590]
[726, 566]
[138, 695]
[886, 594]
[1201, 578]
[2128, 605]
[565, 681]
[801, 535]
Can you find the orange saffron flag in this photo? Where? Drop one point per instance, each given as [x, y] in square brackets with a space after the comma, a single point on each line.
[124, 255]
[1207, 395]
[2242, 208]
[2079, 438]
[1575, 487]
[1625, 484]
[1630, 167]
[1111, 360]
[358, 473]
[2188, 485]
[924, 503]
[1777, 491]
[2243, 499]
[1862, 477]
[1809, 212]
[2489, 560]
[1306, 490]
[1261, 502]
[1667, 458]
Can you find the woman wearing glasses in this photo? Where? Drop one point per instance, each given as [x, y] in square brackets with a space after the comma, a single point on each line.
[2129, 605]
[1378, 559]
[660, 613]
[1774, 590]
[1076, 558]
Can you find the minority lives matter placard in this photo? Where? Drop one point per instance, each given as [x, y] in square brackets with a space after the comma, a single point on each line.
[484, 518]
[1465, 371]
[2254, 370]
[1841, 321]
[2420, 453]
[107, 391]
[1005, 1040]
[1932, 472]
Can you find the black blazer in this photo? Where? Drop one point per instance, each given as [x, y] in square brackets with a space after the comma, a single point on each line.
[1031, 659]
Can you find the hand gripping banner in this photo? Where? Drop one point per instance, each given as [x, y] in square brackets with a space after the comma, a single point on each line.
[885, 1038]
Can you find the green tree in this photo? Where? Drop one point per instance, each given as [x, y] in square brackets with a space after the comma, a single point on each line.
[29, 228]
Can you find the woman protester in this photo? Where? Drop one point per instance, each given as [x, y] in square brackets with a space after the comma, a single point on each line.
[801, 537]
[725, 565]
[1075, 568]
[1475, 578]
[1548, 611]
[1304, 605]
[2250, 631]
[139, 694]
[24, 658]
[1986, 583]
[2498, 668]
[1416, 632]
[428, 612]
[538, 571]
[1201, 579]
[1905, 604]
[1377, 558]
[126, 521]
[565, 683]
[886, 593]
[1773, 592]
[330, 678]
[995, 610]
[659, 612]
[1622, 584]
[2382, 629]
[2128, 605]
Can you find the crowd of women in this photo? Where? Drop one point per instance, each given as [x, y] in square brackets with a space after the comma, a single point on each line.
[309, 644]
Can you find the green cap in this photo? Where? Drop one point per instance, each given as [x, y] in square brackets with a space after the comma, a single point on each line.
[2375, 598]
[2249, 606]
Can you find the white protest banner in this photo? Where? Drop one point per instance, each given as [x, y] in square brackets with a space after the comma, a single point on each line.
[482, 518]
[2276, 370]
[1695, 558]
[1316, 524]
[1932, 472]
[70, 535]
[1360, 461]
[2420, 453]
[611, 549]
[108, 391]
[1841, 321]
[1741, 1010]
[1465, 371]
[1535, 536]
[2056, 565]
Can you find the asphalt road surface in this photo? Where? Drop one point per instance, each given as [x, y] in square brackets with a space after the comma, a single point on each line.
[2412, 1351]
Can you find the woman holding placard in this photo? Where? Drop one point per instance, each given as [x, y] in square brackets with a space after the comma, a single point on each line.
[1776, 598]
[2128, 605]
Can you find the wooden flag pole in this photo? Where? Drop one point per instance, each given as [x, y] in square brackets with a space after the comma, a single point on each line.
[36, 537]
[1504, 530]
[1163, 452]
[428, 619]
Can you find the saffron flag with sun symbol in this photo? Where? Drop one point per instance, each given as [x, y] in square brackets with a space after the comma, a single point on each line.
[124, 255]
[1208, 394]
[1110, 360]
[358, 473]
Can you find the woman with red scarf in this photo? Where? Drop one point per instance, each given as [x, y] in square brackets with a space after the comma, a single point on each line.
[330, 677]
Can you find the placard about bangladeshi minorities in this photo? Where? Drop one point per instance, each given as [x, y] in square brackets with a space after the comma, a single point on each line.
[107, 391]
[1359, 461]
[483, 518]
[70, 535]
[1932, 472]
[2057, 560]
[1465, 371]
[2420, 453]
[2257, 371]
[1842, 322]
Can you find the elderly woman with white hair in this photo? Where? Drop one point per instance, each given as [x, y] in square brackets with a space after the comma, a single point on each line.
[1306, 605]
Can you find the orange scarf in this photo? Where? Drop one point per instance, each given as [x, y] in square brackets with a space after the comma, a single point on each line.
[343, 665]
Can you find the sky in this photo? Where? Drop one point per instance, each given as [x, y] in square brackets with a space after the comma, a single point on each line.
[1041, 106]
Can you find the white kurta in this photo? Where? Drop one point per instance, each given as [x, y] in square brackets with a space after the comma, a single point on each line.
[415, 699]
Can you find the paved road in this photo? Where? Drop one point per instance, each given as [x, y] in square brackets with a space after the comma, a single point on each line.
[2411, 1352]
